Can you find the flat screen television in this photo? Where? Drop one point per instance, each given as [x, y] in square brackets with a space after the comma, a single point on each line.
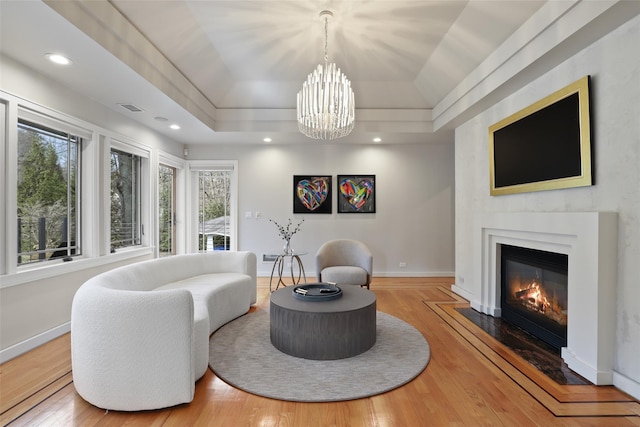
[545, 146]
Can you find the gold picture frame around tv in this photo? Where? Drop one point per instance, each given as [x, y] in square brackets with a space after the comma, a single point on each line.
[545, 146]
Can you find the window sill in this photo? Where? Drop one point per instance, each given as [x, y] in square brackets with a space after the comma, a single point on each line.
[58, 268]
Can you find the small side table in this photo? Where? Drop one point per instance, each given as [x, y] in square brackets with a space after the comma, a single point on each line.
[279, 264]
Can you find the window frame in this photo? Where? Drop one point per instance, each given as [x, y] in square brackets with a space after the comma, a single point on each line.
[78, 142]
[196, 166]
[179, 164]
[172, 214]
[136, 227]
[147, 226]
[15, 109]
[94, 185]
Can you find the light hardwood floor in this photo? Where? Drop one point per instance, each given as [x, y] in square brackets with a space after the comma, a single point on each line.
[471, 380]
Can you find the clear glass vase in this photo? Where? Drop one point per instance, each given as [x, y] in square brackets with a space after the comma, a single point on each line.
[287, 247]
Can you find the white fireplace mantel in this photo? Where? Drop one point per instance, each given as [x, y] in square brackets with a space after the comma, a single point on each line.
[590, 241]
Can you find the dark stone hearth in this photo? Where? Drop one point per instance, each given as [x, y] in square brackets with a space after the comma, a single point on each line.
[538, 353]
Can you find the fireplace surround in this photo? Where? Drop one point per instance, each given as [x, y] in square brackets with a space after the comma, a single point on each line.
[589, 239]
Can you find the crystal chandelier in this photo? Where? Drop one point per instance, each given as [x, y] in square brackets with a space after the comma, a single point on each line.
[326, 107]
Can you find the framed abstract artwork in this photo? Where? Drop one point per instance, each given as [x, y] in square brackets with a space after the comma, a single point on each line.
[356, 194]
[311, 194]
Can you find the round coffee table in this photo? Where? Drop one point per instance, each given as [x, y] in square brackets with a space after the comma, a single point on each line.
[324, 330]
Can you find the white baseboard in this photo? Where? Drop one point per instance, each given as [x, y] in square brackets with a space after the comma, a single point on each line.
[461, 292]
[33, 342]
[626, 384]
[311, 275]
[414, 274]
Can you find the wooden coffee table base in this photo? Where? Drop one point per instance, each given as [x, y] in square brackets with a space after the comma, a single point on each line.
[325, 330]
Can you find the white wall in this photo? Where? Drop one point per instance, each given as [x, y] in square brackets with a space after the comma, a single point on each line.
[413, 222]
[33, 86]
[614, 65]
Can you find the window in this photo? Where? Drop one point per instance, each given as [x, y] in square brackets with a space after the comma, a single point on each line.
[166, 210]
[48, 194]
[214, 210]
[65, 185]
[126, 227]
[213, 200]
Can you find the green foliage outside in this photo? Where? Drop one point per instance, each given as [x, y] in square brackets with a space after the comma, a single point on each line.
[166, 176]
[42, 180]
[125, 193]
[213, 200]
[42, 191]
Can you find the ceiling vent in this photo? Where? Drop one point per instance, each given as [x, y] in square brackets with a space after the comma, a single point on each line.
[132, 108]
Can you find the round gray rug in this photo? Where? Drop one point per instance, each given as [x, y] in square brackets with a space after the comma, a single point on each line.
[241, 354]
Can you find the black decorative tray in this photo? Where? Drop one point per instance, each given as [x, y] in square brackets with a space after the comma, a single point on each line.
[317, 292]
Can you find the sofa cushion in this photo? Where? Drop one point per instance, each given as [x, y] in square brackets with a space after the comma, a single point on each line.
[218, 298]
[225, 295]
[344, 275]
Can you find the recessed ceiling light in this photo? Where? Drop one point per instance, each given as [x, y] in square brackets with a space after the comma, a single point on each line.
[174, 127]
[58, 59]
[267, 139]
[377, 139]
[161, 119]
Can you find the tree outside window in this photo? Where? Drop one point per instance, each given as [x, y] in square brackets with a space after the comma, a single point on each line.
[166, 210]
[125, 199]
[48, 180]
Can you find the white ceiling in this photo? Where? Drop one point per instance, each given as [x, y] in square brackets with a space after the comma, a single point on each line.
[252, 54]
[229, 71]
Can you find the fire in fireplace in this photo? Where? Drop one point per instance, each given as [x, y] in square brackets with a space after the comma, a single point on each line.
[534, 292]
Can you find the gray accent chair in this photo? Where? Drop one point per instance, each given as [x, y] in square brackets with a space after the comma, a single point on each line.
[344, 262]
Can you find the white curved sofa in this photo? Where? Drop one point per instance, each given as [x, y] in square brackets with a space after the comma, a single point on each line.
[140, 333]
